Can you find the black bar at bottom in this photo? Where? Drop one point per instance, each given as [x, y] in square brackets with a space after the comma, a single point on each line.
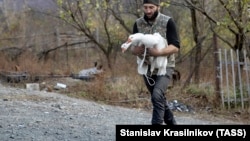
[216, 132]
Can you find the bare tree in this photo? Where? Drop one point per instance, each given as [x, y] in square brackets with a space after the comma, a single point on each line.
[97, 21]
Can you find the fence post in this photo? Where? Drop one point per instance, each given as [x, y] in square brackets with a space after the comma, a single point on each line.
[233, 77]
[227, 81]
[221, 79]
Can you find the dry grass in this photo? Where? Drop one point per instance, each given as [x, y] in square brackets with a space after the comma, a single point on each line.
[123, 86]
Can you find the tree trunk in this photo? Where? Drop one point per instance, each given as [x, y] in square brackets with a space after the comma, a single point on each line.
[217, 98]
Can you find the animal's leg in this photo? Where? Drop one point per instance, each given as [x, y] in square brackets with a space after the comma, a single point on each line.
[162, 71]
[152, 66]
[151, 69]
[144, 56]
[160, 61]
[162, 65]
[138, 60]
[142, 69]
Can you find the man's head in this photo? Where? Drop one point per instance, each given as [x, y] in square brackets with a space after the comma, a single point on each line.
[151, 9]
[155, 2]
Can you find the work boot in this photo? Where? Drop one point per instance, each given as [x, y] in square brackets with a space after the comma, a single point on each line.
[169, 117]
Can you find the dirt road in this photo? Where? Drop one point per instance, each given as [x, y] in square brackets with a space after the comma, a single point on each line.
[42, 116]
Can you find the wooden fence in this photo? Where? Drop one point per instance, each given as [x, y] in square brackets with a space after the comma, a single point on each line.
[234, 79]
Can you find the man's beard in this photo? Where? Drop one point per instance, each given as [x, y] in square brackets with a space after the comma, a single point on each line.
[151, 18]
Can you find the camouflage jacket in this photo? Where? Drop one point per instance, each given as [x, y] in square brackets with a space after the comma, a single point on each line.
[160, 26]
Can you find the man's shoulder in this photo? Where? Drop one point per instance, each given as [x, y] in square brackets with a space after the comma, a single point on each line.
[139, 19]
[163, 16]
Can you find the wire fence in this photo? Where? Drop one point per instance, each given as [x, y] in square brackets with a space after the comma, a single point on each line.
[234, 78]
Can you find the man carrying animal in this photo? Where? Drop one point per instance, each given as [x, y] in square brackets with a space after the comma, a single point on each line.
[153, 21]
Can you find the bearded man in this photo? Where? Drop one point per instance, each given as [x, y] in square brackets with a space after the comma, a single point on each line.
[154, 21]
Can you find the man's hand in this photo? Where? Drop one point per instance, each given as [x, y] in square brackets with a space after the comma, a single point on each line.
[138, 50]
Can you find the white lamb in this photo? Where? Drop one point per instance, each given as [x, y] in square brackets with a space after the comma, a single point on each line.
[148, 40]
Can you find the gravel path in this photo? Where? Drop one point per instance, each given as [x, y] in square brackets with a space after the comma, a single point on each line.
[42, 116]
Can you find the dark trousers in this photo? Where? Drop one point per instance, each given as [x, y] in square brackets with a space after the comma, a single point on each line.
[157, 86]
